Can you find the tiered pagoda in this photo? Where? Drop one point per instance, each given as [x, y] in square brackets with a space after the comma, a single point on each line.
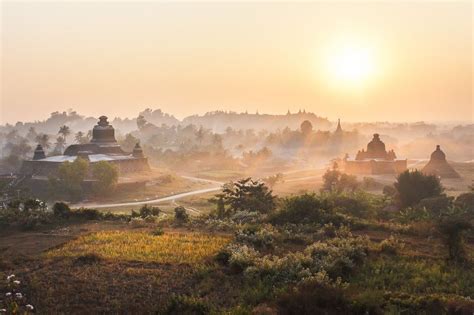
[102, 147]
[375, 160]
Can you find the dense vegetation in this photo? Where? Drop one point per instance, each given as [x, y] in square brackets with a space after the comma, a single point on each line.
[335, 252]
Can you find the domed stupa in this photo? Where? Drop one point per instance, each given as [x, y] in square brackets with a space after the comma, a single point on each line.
[376, 160]
[102, 147]
[439, 166]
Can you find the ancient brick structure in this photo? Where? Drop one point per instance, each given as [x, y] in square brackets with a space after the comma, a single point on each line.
[375, 160]
[102, 147]
[439, 166]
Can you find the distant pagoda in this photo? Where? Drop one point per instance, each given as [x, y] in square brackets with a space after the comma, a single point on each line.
[102, 147]
[375, 160]
[439, 166]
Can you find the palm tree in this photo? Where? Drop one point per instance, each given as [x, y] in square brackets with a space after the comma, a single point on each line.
[64, 131]
[80, 137]
[43, 139]
[59, 145]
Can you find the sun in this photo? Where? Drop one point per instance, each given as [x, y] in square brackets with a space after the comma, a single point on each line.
[350, 63]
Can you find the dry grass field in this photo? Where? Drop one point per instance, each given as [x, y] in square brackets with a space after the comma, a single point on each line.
[170, 248]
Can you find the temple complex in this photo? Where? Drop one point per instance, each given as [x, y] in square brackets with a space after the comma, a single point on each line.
[439, 166]
[375, 160]
[102, 147]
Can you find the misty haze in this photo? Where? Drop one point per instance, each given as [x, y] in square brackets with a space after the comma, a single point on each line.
[236, 158]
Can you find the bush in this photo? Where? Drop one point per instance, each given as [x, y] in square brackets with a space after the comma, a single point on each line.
[391, 245]
[87, 214]
[338, 256]
[106, 175]
[239, 257]
[453, 229]
[246, 195]
[307, 208]
[158, 231]
[260, 236]
[436, 206]
[181, 215]
[415, 186]
[466, 201]
[61, 210]
[146, 211]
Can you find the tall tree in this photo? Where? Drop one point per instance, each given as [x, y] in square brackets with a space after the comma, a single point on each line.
[43, 139]
[64, 131]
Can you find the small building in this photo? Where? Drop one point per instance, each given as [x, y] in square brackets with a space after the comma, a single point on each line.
[439, 166]
[375, 160]
[102, 147]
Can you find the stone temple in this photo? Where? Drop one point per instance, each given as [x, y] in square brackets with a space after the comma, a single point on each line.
[375, 160]
[102, 147]
[439, 166]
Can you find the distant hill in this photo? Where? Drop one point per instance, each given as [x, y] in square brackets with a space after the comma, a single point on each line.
[219, 121]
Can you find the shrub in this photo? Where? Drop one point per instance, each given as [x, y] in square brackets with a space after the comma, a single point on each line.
[181, 215]
[158, 231]
[61, 210]
[240, 257]
[307, 208]
[146, 211]
[87, 214]
[436, 206]
[260, 236]
[106, 175]
[338, 256]
[246, 217]
[391, 245]
[453, 228]
[389, 191]
[247, 195]
[415, 186]
[466, 201]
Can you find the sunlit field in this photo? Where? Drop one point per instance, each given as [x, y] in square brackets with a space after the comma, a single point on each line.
[170, 248]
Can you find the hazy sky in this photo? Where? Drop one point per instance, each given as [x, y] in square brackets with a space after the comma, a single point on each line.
[117, 58]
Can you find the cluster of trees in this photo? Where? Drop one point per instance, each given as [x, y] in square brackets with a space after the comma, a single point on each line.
[70, 179]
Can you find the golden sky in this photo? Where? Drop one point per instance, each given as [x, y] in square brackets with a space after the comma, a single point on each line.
[117, 58]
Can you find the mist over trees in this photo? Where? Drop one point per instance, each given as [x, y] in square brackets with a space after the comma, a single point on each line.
[232, 140]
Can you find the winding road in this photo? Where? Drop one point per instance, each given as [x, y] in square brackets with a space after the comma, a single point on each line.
[158, 200]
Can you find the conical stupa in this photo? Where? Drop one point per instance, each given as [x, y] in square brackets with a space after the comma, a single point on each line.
[439, 166]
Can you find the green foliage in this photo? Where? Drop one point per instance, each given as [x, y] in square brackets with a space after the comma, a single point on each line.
[466, 201]
[247, 195]
[146, 211]
[454, 229]
[436, 206]
[414, 186]
[337, 182]
[181, 215]
[69, 178]
[158, 231]
[391, 245]
[259, 236]
[61, 209]
[413, 275]
[389, 191]
[106, 175]
[307, 208]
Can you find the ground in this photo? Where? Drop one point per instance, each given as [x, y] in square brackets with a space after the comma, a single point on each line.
[108, 267]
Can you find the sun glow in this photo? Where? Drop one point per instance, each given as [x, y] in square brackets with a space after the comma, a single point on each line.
[350, 63]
